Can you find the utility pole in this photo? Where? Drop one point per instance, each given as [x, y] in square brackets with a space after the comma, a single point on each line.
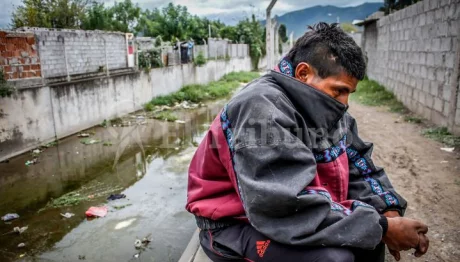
[209, 28]
[268, 29]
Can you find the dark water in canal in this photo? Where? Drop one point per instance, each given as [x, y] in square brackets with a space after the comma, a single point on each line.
[147, 163]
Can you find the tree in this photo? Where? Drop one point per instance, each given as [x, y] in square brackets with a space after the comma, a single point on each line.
[169, 23]
[282, 31]
[390, 6]
[97, 17]
[251, 32]
[124, 16]
[49, 13]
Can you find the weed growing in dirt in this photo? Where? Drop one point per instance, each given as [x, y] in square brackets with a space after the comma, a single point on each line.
[165, 115]
[51, 144]
[413, 119]
[372, 93]
[441, 134]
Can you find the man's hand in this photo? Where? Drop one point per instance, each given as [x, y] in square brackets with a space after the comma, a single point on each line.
[422, 246]
[405, 233]
[394, 253]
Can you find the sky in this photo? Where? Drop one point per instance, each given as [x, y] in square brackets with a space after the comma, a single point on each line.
[230, 11]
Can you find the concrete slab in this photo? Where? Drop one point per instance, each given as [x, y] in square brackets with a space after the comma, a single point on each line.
[193, 252]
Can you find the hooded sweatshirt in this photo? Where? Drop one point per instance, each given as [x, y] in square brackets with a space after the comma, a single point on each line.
[287, 158]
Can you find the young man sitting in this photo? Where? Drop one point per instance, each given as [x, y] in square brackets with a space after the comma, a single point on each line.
[282, 174]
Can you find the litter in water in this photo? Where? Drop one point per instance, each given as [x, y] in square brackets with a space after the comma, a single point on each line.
[68, 215]
[121, 207]
[88, 141]
[32, 162]
[141, 244]
[83, 135]
[124, 224]
[20, 230]
[36, 152]
[138, 243]
[116, 196]
[96, 212]
[448, 149]
[21, 245]
[10, 216]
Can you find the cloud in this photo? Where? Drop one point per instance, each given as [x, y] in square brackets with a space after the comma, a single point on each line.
[207, 7]
[5, 12]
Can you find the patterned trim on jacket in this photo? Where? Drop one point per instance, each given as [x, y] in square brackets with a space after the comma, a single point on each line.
[334, 205]
[365, 169]
[332, 153]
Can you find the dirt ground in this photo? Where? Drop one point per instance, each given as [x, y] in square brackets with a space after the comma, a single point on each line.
[421, 172]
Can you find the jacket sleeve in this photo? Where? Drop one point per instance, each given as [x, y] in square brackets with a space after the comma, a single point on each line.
[274, 168]
[369, 183]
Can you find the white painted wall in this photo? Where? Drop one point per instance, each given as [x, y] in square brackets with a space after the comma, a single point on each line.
[35, 116]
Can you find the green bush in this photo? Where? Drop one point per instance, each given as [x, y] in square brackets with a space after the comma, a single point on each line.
[200, 59]
[5, 88]
[150, 59]
[149, 107]
[198, 93]
[163, 100]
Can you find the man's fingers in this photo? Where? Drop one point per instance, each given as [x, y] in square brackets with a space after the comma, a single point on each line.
[423, 245]
[395, 254]
[422, 228]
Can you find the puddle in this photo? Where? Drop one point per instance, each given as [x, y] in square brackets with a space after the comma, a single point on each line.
[148, 163]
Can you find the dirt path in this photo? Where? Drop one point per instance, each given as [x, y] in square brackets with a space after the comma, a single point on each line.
[419, 171]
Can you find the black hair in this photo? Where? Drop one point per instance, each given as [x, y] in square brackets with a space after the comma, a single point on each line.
[328, 49]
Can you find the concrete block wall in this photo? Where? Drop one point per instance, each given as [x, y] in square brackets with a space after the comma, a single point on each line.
[232, 50]
[18, 55]
[413, 52]
[200, 48]
[217, 48]
[74, 52]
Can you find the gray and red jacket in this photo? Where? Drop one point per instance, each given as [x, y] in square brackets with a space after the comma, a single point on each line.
[287, 158]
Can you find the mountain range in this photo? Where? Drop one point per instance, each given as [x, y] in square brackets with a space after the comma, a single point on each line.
[298, 21]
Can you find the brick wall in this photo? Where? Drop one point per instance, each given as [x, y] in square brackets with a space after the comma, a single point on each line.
[413, 52]
[78, 51]
[18, 55]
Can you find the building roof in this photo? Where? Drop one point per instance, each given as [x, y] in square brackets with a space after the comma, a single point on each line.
[370, 19]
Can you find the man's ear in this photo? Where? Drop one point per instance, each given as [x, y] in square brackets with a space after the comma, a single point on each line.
[305, 73]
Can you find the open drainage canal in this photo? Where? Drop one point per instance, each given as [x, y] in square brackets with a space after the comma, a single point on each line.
[148, 163]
